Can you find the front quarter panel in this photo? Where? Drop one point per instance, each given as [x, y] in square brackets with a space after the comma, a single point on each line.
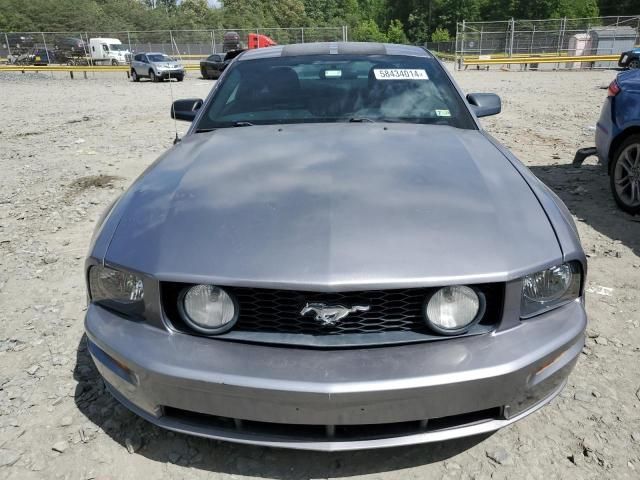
[556, 211]
[105, 230]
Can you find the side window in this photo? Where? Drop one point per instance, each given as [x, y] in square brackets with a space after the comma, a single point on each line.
[105, 48]
[93, 48]
[217, 58]
[143, 58]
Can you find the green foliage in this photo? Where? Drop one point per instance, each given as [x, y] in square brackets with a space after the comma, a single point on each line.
[402, 21]
[440, 35]
[368, 31]
[395, 32]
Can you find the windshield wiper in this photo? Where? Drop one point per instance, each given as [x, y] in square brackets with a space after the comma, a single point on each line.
[234, 124]
[361, 120]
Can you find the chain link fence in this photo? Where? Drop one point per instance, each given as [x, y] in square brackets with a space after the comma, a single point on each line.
[448, 47]
[563, 36]
[75, 47]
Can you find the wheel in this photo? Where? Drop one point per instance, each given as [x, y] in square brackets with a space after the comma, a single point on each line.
[152, 76]
[134, 75]
[625, 175]
[114, 62]
[635, 63]
[180, 78]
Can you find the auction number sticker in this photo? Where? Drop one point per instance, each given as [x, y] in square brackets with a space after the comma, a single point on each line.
[400, 74]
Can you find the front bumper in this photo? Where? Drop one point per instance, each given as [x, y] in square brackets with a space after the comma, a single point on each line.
[336, 399]
[165, 74]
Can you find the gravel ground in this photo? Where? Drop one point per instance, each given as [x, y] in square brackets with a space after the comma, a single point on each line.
[68, 147]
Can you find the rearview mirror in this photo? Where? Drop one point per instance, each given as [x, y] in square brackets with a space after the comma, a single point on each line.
[186, 109]
[485, 104]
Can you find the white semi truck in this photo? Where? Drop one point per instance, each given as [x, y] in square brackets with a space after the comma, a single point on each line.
[108, 50]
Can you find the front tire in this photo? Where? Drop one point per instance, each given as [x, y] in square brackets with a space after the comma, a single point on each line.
[152, 76]
[114, 62]
[625, 175]
[134, 75]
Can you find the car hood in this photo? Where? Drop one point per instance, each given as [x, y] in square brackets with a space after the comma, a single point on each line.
[330, 206]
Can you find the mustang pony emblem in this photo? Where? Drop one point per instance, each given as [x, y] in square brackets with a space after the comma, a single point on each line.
[331, 314]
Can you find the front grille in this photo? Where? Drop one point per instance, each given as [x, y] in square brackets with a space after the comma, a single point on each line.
[264, 310]
[271, 311]
[297, 432]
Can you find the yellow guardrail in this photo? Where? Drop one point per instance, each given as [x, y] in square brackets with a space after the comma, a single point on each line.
[541, 59]
[515, 55]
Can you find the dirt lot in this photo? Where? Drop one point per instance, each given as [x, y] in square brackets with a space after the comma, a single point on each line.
[68, 147]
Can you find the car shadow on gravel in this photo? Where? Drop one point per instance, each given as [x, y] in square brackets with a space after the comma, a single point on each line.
[140, 437]
[587, 194]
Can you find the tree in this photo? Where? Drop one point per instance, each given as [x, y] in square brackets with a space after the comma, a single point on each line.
[619, 7]
[368, 31]
[440, 35]
[395, 32]
[285, 13]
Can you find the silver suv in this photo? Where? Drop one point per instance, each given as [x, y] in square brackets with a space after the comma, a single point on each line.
[156, 67]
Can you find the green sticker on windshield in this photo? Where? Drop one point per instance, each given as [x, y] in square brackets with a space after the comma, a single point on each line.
[443, 113]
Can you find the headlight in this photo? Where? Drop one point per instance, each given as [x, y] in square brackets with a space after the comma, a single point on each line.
[453, 310]
[122, 291]
[208, 309]
[550, 288]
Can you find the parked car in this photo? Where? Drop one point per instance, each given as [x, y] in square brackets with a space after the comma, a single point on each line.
[231, 41]
[618, 140]
[71, 45]
[213, 66]
[630, 59]
[336, 256]
[17, 41]
[43, 56]
[36, 56]
[156, 67]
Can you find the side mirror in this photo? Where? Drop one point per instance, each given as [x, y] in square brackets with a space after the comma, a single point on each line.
[186, 109]
[485, 104]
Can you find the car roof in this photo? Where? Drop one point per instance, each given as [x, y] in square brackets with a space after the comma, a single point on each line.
[155, 53]
[335, 48]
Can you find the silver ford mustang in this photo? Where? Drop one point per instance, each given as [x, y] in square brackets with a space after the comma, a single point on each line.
[336, 256]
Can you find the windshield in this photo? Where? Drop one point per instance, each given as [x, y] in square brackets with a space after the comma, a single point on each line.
[330, 88]
[117, 47]
[159, 57]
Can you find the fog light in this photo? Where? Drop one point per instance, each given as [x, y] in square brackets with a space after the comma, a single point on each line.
[453, 310]
[208, 309]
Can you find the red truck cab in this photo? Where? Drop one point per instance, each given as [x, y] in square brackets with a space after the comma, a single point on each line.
[256, 40]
